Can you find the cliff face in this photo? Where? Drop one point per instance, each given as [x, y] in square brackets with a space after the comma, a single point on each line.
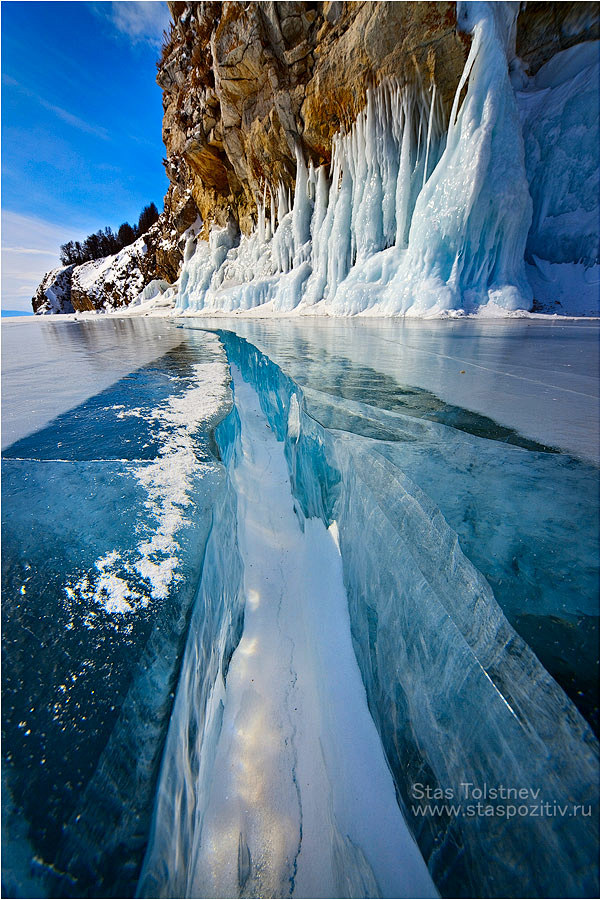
[53, 295]
[118, 280]
[543, 29]
[245, 83]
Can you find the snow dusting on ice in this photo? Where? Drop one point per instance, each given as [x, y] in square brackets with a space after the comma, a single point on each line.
[124, 582]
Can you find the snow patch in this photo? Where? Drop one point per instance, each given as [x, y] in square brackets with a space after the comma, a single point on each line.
[128, 581]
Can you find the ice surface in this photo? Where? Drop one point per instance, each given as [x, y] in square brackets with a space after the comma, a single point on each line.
[456, 695]
[195, 724]
[495, 491]
[412, 384]
[539, 378]
[39, 357]
[106, 514]
[429, 452]
[281, 803]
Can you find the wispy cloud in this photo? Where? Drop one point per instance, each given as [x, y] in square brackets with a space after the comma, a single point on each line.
[75, 121]
[140, 21]
[30, 248]
[25, 250]
[64, 114]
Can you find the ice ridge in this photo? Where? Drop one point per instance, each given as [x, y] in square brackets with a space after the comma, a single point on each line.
[456, 694]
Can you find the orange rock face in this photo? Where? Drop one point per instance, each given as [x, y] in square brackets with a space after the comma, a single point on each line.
[245, 82]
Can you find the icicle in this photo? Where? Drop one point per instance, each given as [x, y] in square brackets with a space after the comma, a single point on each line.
[302, 208]
[311, 181]
[283, 207]
[429, 132]
[261, 218]
[272, 213]
[399, 227]
[403, 190]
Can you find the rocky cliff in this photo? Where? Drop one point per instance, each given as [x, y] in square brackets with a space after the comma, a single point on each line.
[53, 295]
[247, 84]
[118, 280]
[244, 83]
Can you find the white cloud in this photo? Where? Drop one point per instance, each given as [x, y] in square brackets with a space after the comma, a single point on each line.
[141, 21]
[30, 248]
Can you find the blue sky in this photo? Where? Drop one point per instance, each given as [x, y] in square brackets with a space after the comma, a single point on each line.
[81, 127]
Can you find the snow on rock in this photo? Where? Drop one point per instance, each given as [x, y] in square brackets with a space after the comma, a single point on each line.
[112, 281]
[54, 293]
[136, 274]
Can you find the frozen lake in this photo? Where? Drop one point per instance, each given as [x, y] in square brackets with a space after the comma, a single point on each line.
[454, 465]
[538, 377]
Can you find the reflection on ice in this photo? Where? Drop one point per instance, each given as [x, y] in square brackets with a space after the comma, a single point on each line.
[39, 385]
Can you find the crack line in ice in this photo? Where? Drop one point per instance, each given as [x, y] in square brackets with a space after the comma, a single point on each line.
[282, 806]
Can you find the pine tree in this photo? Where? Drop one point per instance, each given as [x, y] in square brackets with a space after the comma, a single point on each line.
[126, 234]
[106, 242]
[148, 217]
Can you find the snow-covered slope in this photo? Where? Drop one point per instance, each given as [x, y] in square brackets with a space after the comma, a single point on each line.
[54, 293]
[112, 281]
[141, 270]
